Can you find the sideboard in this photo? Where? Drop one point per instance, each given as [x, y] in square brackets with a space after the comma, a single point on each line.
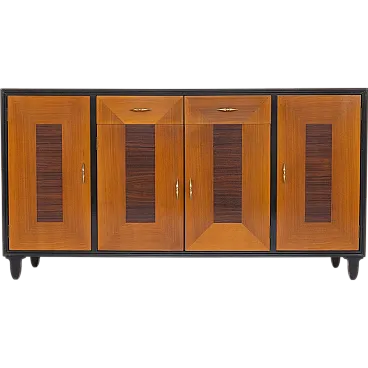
[184, 173]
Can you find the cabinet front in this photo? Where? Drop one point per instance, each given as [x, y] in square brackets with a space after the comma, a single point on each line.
[140, 173]
[318, 172]
[49, 166]
[227, 169]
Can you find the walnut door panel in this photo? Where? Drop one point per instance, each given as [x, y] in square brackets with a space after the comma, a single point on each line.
[140, 182]
[319, 144]
[49, 142]
[227, 176]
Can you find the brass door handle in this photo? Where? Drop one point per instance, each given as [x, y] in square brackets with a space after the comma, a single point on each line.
[190, 189]
[284, 173]
[177, 189]
[83, 173]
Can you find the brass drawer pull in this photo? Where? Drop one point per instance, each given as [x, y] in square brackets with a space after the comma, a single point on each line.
[177, 189]
[227, 109]
[140, 109]
[190, 189]
[284, 173]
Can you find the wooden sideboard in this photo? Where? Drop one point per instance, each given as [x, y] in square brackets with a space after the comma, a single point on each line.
[184, 173]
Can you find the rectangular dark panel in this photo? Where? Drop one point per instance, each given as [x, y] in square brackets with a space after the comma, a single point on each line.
[49, 173]
[227, 173]
[318, 173]
[140, 173]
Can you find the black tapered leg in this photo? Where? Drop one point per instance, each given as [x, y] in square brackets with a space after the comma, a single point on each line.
[353, 267]
[335, 262]
[15, 266]
[35, 261]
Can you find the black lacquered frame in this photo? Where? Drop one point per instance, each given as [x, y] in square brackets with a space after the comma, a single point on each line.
[92, 93]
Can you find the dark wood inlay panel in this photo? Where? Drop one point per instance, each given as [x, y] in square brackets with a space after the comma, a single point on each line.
[227, 173]
[140, 173]
[318, 173]
[49, 173]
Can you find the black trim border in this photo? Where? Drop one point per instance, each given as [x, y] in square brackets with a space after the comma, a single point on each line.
[363, 173]
[273, 176]
[4, 171]
[180, 92]
[92, 93]
[93, 165]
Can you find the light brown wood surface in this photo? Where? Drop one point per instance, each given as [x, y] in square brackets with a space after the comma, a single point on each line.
[249, 110]
[118, 110]
[294, 112]
[198, 168]
[256, 182]
[74, 232]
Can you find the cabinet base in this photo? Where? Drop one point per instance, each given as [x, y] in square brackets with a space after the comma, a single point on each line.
[17, 266]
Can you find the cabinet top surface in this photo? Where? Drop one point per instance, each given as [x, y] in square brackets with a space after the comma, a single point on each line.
[188, 92]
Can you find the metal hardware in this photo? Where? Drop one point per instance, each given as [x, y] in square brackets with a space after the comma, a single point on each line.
[190, 188]
[227, 109]
[83, 174]
[177, 189]
[284, 173]
[140, 109]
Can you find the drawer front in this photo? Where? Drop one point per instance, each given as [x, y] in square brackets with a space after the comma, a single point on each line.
[140, 110]
[228, 110]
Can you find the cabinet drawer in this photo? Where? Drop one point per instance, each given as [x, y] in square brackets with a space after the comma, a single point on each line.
[228, 110]
[139, 110]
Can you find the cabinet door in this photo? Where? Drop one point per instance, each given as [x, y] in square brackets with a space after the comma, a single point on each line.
[49, 197]
[318, 172]
[227, 165]
[140, 173]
